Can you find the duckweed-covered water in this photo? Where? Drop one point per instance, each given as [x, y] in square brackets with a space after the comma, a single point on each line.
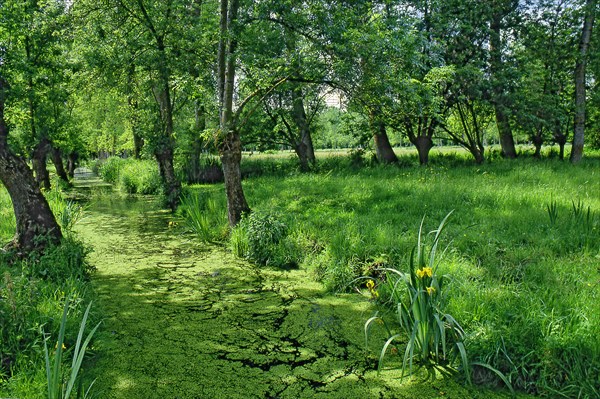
[185, 320]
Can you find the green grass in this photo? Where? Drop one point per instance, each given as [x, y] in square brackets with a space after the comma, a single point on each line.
[524, 286]
[33, 292]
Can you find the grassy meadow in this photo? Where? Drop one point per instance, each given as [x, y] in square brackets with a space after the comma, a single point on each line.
[521, 255]
[522, 249]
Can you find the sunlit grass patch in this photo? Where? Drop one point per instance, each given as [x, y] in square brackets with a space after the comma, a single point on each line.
[523, 286]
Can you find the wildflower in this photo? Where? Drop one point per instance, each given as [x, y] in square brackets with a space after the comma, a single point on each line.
[63, 346]
[370, 285]
[426, 271]
[430, 290]
[374, 294]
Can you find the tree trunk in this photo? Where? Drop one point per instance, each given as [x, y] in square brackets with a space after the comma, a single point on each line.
[34, 218]
[138, 143]
[560, 139]
[164, 148]
[478, 154]
[39, 156]
[578, 133]
[58, 164]
[538, 140]
[231, 156]
[72, 163]
[230, 148]
[423, 144]
[172, 186]
[383, 148]
[507, 141]
[194, 169]
[304, 149]
[301, 150]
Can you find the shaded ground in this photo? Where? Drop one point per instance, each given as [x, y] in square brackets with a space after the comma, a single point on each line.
[182, 320]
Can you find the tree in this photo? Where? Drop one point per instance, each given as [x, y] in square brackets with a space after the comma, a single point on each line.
[580, 95]
[229, 143]
[501, 12]
[36, 226]
[151, 32]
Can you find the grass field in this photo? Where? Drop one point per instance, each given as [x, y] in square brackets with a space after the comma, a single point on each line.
[523, 249]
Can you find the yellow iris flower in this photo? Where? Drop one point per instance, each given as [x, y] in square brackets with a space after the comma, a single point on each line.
[430, 290]
[426, 271]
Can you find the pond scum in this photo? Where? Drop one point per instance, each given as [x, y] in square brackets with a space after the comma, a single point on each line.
[183, 320]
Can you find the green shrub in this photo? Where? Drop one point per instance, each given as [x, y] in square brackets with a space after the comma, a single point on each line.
[110, 169]
[264, 231]
[140, 177]
[60, 262]
[27, 305]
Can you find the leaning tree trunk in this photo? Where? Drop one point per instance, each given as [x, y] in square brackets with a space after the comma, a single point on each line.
[34, 219]
[383, 148]
[578, 133]
[38, 161]
[58, 164]
[301, 150]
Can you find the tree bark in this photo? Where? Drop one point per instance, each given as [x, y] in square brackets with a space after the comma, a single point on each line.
[538, 140]
[58, 164]
[34, 219]
[304, 148]
[164, 149]
[560, 139]
[172, 185]
[38, 161]
[302, 152]
[194, 169]
[507, 141]
[231, 156]
[423, 144]
[72, 160]
[230, 148]
[383, 148]
[580, 66]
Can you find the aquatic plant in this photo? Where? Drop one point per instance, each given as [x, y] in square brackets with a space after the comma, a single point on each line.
[59, 386]
[435, 338]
